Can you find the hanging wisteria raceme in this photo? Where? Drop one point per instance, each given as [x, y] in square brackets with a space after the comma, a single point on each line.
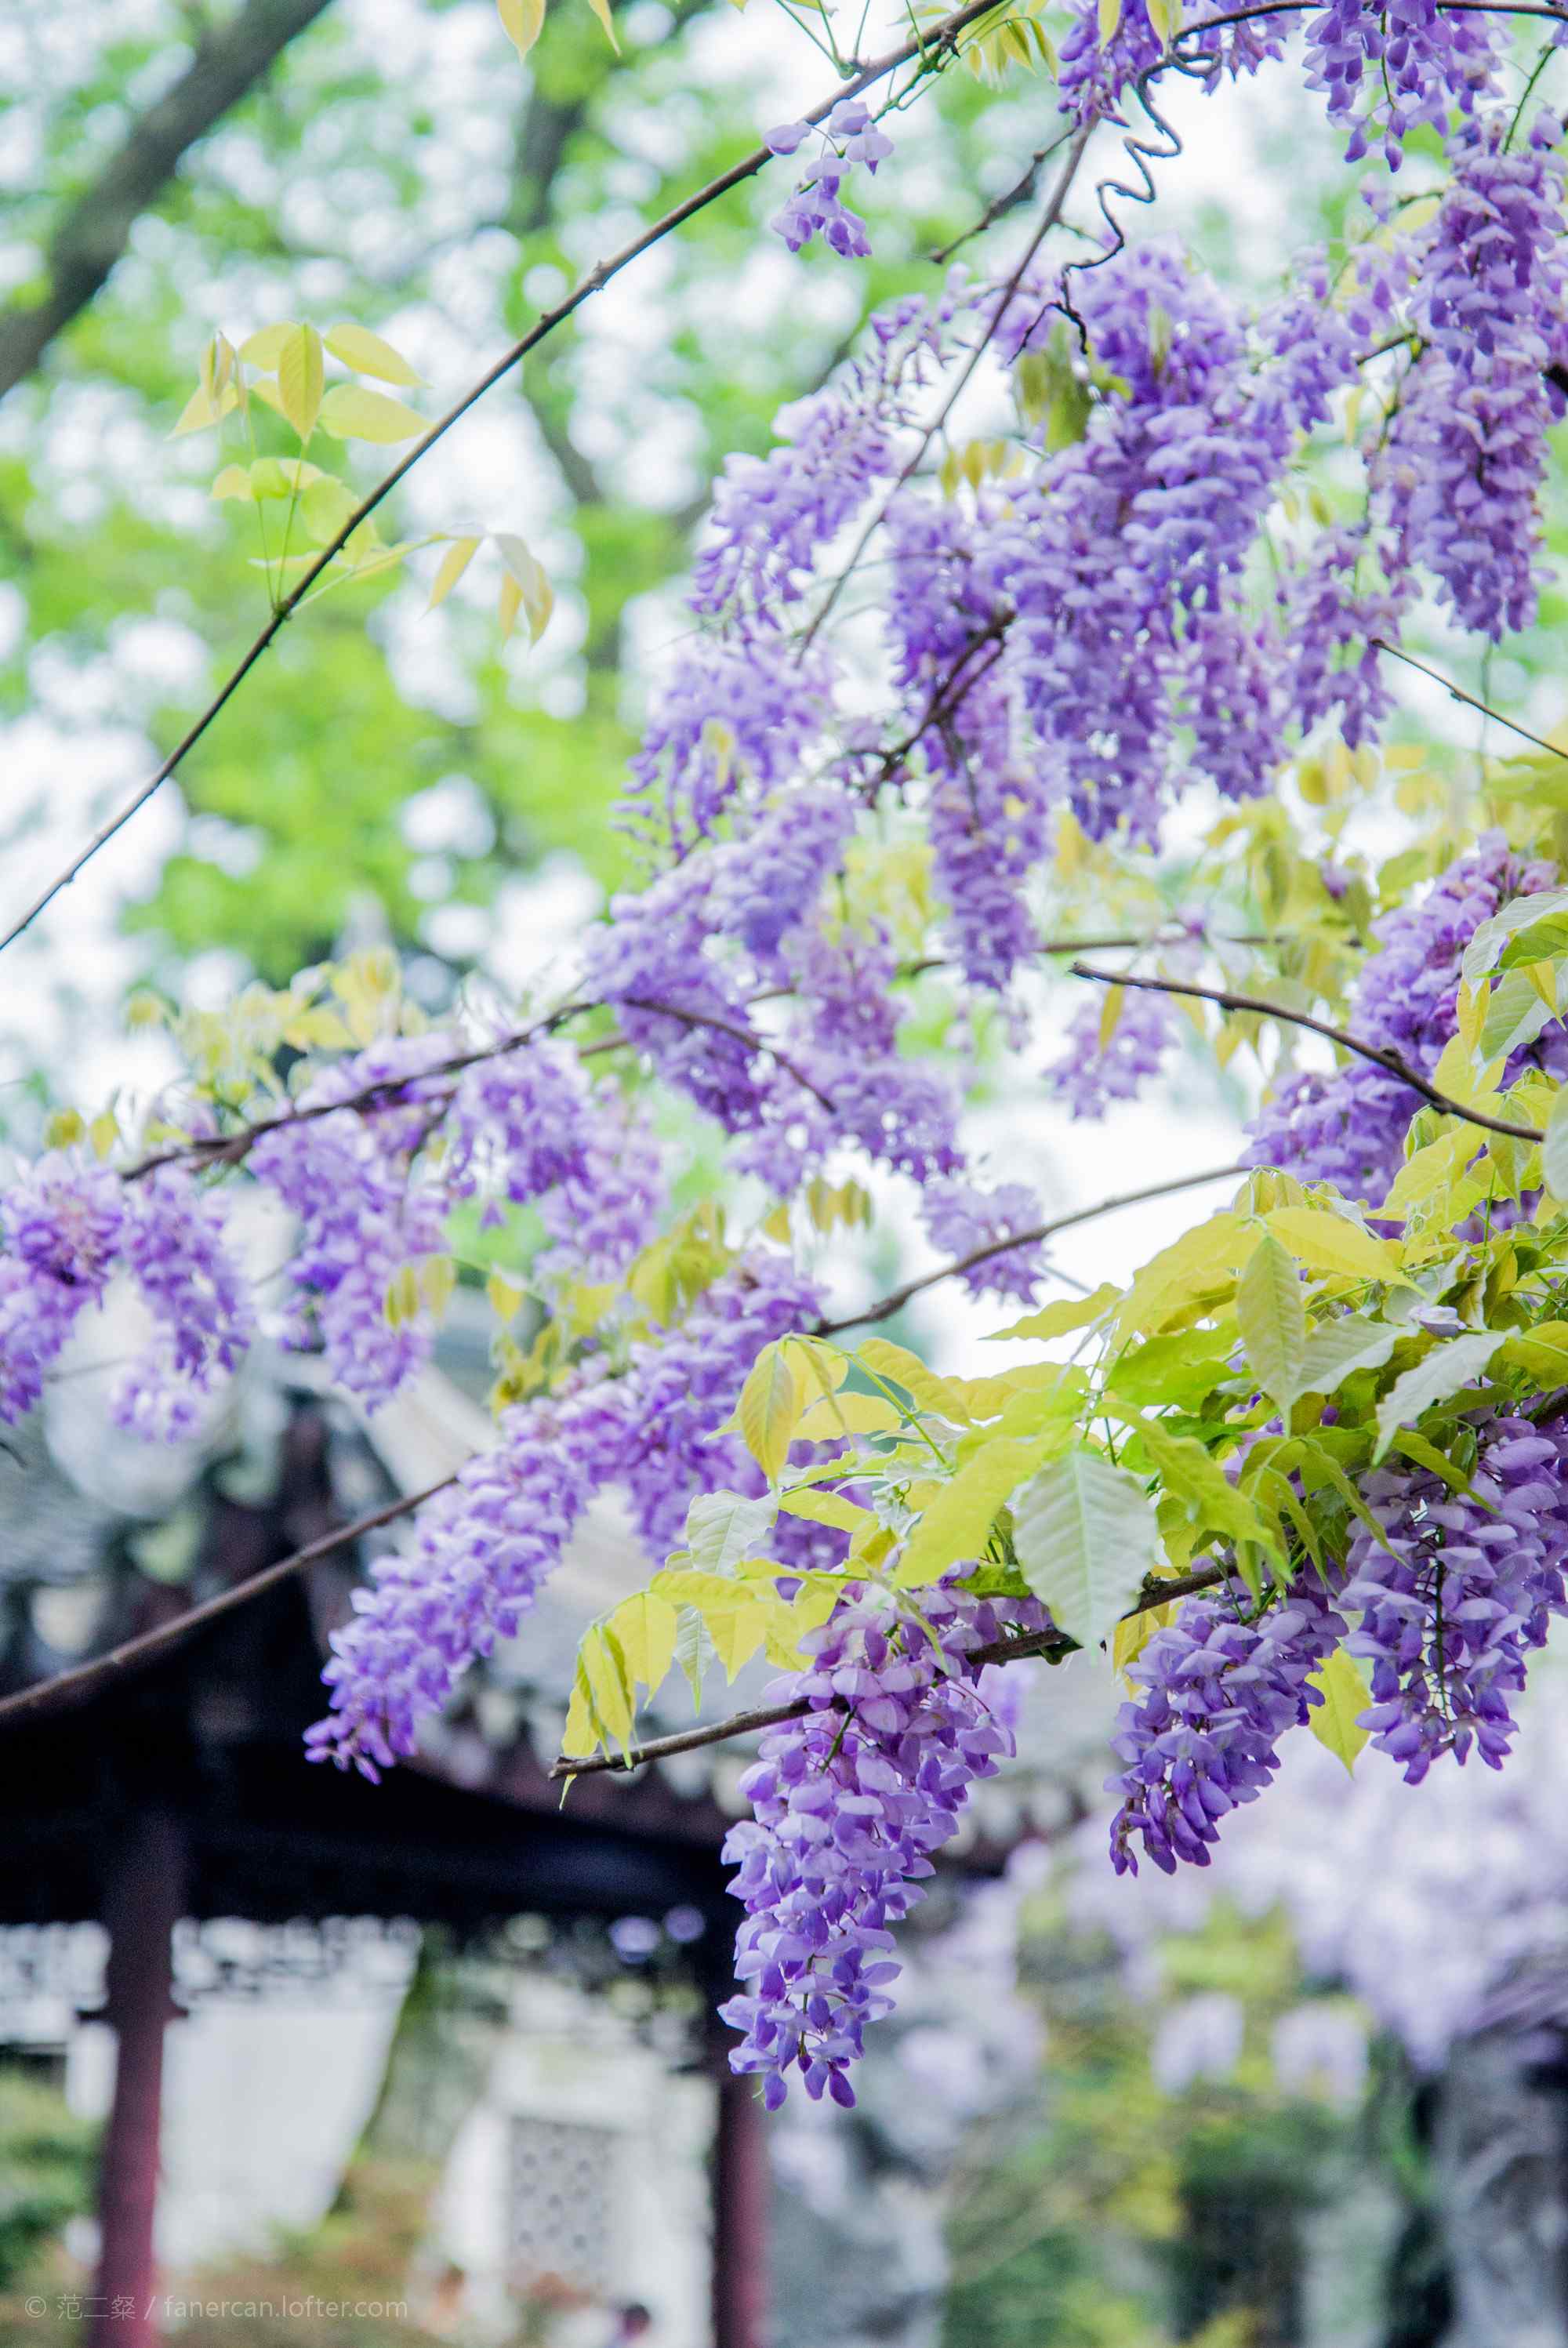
[1348, 1127]
[486, 1548]
[1460, 1586]
[1221, 1685]
[850, 1802]
[1466, 453]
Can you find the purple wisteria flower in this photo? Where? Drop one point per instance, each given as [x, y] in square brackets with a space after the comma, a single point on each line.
[849, 1804]
[1219, 1690]
[1456, 1589]
[1089, 1078]
[60, 1229]
[816, 209]
[486, 1548]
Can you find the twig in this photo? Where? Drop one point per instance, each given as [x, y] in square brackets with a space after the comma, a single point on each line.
[85, 1679]
[744, 1724]
[1016, 195]
[1456, 692]
[1380, 1056]
[900, 1297]
[931, 50]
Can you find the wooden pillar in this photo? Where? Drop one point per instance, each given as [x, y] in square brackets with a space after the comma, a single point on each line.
[740, 2193]
[142, 1902]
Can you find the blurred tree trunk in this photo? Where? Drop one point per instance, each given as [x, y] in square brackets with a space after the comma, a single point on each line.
[95, 231]
[1500, 2171]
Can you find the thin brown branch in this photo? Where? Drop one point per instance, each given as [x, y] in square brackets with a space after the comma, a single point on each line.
[930, 51]
[899, 1297]
[1456, 692]
[1380, 1056]
[745, 1723]
[84, 1680]
[230, 60]
[1021, 192]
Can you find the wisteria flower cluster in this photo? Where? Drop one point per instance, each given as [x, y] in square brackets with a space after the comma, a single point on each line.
[850, 1802]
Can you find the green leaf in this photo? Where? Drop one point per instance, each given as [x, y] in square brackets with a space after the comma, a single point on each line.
[1543, 1351]
[1194, 1479]
[1086, 1536]
[1555, 1147]
[694, 1650]
[1335, 1349]
[301, 379]
[1178, 1370]
[350, 412]
[367, 353]
[1056, 1320]
[769, 1411]
[1329, 1242]
[1273, 1321]
[721, 1528]
[1488, 943]
[1448, 1369]
[325, 508]
[1337, 1720]
[956, 1524]
[1515, 1015]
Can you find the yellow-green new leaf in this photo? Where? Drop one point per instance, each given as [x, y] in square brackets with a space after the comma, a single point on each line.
[453, 564]
[350, 412]
[1337, 1720]
[770, 1411]
[367, 353]
[1057, 1320]
[301, 379]
[604, 1667]
[602, 10]
[883, 1359]
[1273, 1321]
[527, 574]
[855, 1414]
[1329, 1242]
[1110, 18]
[723, 1528]
[1085, 1536]
[522, 21]
[1555, 1147]
[956, 1523]
[1543, 1351]
[828, 1508]
[266, 348]
[645, 1626]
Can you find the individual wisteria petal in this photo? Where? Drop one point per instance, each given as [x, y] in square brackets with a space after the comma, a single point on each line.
[485, 1549]
[849, 1803]
[1220, 1686]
